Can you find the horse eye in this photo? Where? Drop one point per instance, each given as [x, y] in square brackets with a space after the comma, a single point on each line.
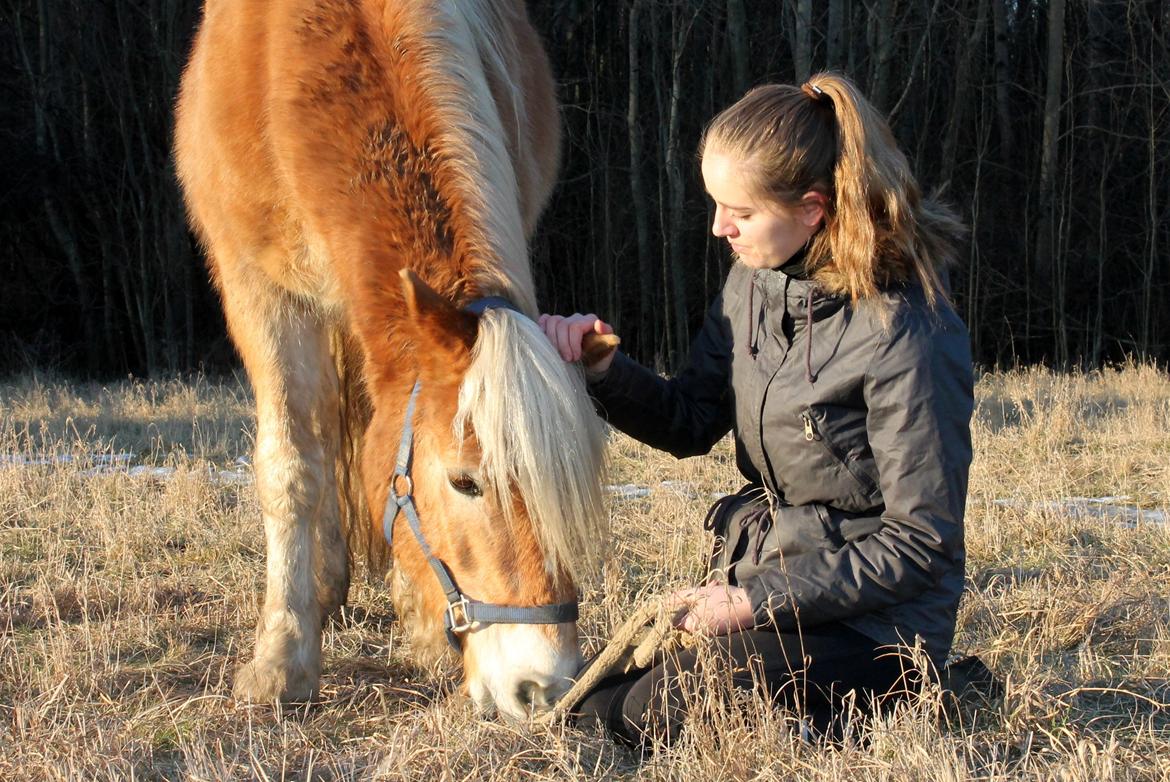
[465, 484]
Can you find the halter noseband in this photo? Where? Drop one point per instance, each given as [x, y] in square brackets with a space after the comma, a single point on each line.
[462, 611]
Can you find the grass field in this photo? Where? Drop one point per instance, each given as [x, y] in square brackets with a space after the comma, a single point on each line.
[127, 597]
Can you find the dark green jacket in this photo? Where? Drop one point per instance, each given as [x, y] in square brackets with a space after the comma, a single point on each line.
[858, 430]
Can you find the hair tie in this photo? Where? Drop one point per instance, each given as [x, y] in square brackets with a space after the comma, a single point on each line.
[813, 91]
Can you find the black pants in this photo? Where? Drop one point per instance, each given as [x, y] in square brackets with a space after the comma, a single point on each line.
[810, 671]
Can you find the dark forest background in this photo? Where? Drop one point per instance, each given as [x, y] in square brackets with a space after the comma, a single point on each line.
[1043, 121]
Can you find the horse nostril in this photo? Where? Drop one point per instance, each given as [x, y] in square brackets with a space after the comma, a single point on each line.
[531, 694]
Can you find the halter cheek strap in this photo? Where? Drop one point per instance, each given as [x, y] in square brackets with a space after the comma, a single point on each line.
[462, 612]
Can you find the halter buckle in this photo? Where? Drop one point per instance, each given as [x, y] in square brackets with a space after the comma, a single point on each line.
[401, 498]
[458, 615]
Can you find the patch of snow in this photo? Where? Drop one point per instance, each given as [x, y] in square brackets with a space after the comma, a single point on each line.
[1105, 508]
[96, 464]
[627, 491]
[683, 489]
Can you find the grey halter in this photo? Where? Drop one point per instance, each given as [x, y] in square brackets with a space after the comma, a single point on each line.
[462, 611]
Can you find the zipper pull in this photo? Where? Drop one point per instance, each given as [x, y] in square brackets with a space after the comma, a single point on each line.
[810, 431]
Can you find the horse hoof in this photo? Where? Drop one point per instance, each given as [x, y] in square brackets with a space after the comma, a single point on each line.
[261, 682]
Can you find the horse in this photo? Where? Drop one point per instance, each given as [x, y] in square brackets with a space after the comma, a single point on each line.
[365, 176]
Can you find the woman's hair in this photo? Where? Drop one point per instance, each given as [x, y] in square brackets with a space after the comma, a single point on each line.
[826, 137]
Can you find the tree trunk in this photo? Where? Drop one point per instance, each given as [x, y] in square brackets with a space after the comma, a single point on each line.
[1102, 250]
[915, 64]
[882, 53]
[1152, 228]
[974, 276]
[962, 93]
[802, 35]
[646, 282]
[737, 38]
[835, 34]
[676, 188]
[59, 223]
[663, 346]
[1045, 240]
[1002, 77]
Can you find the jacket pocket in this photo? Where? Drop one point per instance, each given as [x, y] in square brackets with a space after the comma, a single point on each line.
[838, 467]
[800, 529]
[795, 530]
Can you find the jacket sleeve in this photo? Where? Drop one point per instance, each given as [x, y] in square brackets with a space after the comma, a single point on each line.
[919, 395]
[685, 415]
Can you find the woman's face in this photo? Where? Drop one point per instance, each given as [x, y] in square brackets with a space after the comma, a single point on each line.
[762, 234]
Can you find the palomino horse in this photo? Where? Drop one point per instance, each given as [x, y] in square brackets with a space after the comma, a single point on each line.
[325, 148]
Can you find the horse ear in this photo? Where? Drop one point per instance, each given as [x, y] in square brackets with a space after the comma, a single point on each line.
[444, 332]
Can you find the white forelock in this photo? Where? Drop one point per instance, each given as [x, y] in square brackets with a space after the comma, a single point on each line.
[537, 432]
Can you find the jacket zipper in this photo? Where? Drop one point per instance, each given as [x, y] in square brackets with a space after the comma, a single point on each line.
[810, 429]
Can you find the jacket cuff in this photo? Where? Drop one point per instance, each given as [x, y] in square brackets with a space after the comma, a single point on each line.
[616, 380]
[769, 607]
[594, 377]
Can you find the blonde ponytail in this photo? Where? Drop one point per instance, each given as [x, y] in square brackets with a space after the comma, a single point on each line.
[827, 138]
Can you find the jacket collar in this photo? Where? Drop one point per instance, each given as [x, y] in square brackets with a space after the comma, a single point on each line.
[788, 305]
[795, 295]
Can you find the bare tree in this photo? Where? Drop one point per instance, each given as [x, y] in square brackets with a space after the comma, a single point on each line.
[1045, 239]
[835, 34]
[802, 39]
[963, 76]
[682, 23]
[647, 323]
[737, 38]
[1069, 255]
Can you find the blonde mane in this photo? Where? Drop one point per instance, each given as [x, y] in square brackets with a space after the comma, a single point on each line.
[537, 432]
[472, 47]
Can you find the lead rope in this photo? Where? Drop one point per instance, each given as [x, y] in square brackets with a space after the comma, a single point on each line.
[648, 633]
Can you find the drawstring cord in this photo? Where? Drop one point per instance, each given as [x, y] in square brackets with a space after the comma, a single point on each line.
[765, 520]
[754, 325]
[808, 373]
[719, 516]
[753, 320]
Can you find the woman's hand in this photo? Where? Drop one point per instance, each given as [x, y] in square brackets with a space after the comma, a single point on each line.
[568, 337]
[714, 609]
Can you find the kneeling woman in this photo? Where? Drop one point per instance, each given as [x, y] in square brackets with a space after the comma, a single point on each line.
[835, 357]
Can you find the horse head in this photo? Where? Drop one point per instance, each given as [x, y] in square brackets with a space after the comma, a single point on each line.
[498, 456]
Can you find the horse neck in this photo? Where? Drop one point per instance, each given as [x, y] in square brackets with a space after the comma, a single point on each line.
[462, 86]
[423, 174]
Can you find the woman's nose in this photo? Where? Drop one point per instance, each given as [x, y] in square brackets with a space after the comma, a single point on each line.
[720, 225]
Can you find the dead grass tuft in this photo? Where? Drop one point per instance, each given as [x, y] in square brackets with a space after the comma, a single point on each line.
[127, 600]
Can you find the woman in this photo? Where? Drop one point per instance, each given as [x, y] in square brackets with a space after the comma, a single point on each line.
[834, 356]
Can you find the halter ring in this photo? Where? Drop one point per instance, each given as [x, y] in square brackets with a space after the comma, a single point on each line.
[401, 498]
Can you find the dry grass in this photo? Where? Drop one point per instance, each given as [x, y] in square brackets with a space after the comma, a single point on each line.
[125, 603]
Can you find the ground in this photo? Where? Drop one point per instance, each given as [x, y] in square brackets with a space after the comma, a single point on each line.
[131, 561]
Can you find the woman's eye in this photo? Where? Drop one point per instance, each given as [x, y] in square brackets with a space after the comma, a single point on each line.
[466, 485]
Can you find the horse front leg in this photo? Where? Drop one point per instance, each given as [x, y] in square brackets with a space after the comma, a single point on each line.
[286, 353]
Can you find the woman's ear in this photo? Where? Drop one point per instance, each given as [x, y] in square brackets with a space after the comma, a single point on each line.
[813, 208]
